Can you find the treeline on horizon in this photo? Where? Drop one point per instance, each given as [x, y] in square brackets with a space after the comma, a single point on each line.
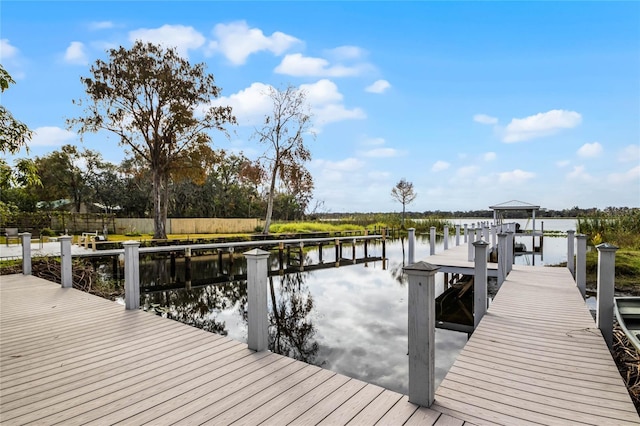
[573, 212]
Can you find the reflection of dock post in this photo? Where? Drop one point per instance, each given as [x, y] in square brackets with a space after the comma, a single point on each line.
[66, 271]
[131, 274]
[412, 246]
[581, 264]
[570, 260]
[187, 264]
[457, 235]
[422, 322]
[446, 237]
[220, 271]
[257, 313]
[353, 251]
[502, 258]
[384, 249]
[432, 240]
[480, 282]
[337, 244]
[320, 253]
[606, 280]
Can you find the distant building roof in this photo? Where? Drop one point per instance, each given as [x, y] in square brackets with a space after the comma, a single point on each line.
[514, 205]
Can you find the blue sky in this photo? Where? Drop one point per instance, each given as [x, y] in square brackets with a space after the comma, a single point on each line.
[474, 103]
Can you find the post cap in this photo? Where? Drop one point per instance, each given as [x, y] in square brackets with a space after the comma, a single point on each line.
[256, 252]
[421, 266]
[480, 243]
[606, 247]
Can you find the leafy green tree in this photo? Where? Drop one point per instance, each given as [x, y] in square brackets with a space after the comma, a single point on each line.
[283, 132]
[152, 99]
[403, 193]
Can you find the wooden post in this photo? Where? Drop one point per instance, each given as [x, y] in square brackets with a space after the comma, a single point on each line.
[172, 266]
[301, 258]
[187, 265]
[422, 324]
[570, 260]
[320, 253]
[502, 258]
[219, 251]
[470, 242]
[353, 251]
[446, 237]
[66, 269]
[131, 274]
[581, 264]
[257, 313]
[384, 252]
[466, 232]
[480, 282]
[510, 250]
[231, 250]
[366, 252]
[606, 286]
[457, 235]
[26, 252]
[432, 240]
[412, 246]
[337, 244]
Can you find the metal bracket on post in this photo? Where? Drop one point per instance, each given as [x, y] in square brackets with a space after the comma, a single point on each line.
[257, 311]
[422, 326]
[131, 274]
[606, 285]
[26, 252]
[66, 260]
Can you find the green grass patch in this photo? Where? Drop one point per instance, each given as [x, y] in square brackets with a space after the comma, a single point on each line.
[309, 227]
[627, 271]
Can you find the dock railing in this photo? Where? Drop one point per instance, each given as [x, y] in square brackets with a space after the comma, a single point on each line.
[421, 301]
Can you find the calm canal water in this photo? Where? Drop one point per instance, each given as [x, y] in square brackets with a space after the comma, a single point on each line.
[351, 320]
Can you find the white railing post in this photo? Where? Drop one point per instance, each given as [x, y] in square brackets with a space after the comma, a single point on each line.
[606, 286]
[66, 267]
[502, 258]
[570, 252]
[412, 246]
[480, 282]
[257, 311]
[466, 233]
[581, 264]
[26, 253]
[422, 323]
[131, 274]
[446, 237]
[494, 236]
[457, 235]
[471, 240]
[485, 233]
[432, 240]
[510, 253]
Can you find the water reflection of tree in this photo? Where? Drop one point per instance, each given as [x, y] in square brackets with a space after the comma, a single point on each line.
[292, 331]
[195, 307]
[396, 269]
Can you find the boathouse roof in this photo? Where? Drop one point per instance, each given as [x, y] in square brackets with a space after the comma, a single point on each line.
[514, 205]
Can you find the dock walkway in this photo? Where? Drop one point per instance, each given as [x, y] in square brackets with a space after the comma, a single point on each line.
[72, 358]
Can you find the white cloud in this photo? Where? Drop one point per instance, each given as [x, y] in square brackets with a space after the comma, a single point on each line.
[590, 150]
[305, 66]
[236, 41]
[439, 166]
[346, 52]
[101, 25]
[181, 37]
[539, 125]
[563, 163]
[7, 51]
[630, 176]
[485, 119]
[322, 92]
[579, 173]
[378, 86]
[489, 156]
[630, 153]
[516, 176]
[335, 112]
[346, 165]
[51, 136]
[381, 153]
[373, 142]
[76, 54]
[324, 98]
[249, 105]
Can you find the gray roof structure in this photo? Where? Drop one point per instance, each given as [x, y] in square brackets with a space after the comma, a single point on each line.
[514, 205]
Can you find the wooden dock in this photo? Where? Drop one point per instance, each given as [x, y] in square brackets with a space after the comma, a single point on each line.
[72, 358]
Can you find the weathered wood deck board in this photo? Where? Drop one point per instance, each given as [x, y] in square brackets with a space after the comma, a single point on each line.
[536, 357]
[72, 358]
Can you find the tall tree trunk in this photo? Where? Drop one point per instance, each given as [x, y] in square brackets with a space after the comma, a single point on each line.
[272, 190]
[403, 207]
[159, 210]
